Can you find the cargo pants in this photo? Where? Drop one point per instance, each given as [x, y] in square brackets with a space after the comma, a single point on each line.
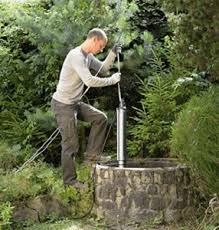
[66, 117]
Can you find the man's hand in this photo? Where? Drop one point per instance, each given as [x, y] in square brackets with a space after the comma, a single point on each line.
[116, 77]
[117, 48]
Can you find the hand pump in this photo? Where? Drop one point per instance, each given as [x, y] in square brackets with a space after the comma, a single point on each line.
[121, 126]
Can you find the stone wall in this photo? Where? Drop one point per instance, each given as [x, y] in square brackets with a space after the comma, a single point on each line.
[140, 194]
[39, 209]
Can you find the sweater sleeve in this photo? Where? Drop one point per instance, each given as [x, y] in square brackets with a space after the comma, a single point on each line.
[83, 72]
[107, 63]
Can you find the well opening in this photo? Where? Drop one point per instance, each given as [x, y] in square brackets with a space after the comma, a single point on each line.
[146, 163]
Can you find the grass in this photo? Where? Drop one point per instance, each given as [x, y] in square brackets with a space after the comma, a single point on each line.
[93, 224]
[62, 224]
[68, 224]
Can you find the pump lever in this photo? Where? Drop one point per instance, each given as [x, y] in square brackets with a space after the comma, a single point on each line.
[119, 89]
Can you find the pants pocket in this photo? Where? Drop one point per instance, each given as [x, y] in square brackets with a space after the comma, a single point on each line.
[67, 126]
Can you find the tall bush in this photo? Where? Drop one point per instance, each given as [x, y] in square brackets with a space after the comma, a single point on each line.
[195, 27]
[195, 139]
[157, 111]
[152, 131]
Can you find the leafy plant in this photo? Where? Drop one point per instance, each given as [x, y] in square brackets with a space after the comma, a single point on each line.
[157, 111]
[40, 179]
[153, 127]
[29, 133]
[195, 140]
[6, 211]
[30, 182]
[10, 157]
[194, 25]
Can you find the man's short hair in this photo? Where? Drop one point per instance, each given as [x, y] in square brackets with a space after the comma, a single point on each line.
[96, 32]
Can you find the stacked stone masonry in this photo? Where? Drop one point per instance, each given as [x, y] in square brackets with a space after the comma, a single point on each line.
[142, 194]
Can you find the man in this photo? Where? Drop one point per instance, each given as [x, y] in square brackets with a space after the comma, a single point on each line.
[67, 104]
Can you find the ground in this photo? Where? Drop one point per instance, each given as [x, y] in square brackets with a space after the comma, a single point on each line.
[92, 224]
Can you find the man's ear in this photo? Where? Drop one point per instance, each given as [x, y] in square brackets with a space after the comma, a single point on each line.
[95, 39]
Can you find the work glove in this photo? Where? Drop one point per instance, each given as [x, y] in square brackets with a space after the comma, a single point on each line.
[116, 78]
[117, 48]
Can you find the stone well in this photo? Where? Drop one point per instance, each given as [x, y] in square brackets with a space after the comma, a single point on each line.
[155, 188]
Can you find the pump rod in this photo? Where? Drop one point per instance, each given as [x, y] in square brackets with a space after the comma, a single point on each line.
[119, 89]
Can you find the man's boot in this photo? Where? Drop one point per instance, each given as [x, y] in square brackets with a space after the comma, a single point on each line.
[77, 184]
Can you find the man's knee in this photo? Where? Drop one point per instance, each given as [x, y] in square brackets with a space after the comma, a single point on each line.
[102, 118]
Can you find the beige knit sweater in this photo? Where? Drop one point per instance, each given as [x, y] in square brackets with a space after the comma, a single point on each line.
[75, 73]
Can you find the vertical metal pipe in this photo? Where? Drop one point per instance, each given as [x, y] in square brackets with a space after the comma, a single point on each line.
[121, 126]
[121, 134]
[119, 89]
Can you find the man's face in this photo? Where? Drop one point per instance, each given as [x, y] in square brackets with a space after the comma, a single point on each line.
[98, 45]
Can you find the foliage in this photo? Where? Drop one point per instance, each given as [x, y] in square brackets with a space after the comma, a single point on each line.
[211, 217]
[152, 130]
[29, 130]
[10, 157]
[150, 17]
[195, 26]
[195, 139]
[29, 133]
[5, 215]
[81, 202]
[164, 93]
[30, 182]
[154, 120]
[39, 178]
[32, 56]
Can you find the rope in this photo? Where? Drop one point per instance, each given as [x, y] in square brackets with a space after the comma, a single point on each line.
[105, 140]
[40, 150]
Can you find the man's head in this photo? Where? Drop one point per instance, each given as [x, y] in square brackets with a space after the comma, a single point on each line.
[96, 41]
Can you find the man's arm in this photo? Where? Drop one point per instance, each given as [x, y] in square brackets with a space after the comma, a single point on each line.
[91, 81]
[107, 63]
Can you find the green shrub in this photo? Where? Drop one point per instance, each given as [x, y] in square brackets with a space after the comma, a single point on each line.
[10, 157]
[30, 133]
[40, 179]
[6, 211]
[80, 202]
[32, 129]
[195, 139]
[152, 130]
[195, 26]
[33, 180]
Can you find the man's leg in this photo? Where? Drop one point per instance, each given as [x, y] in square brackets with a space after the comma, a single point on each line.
[98, 130]
[66, 119]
